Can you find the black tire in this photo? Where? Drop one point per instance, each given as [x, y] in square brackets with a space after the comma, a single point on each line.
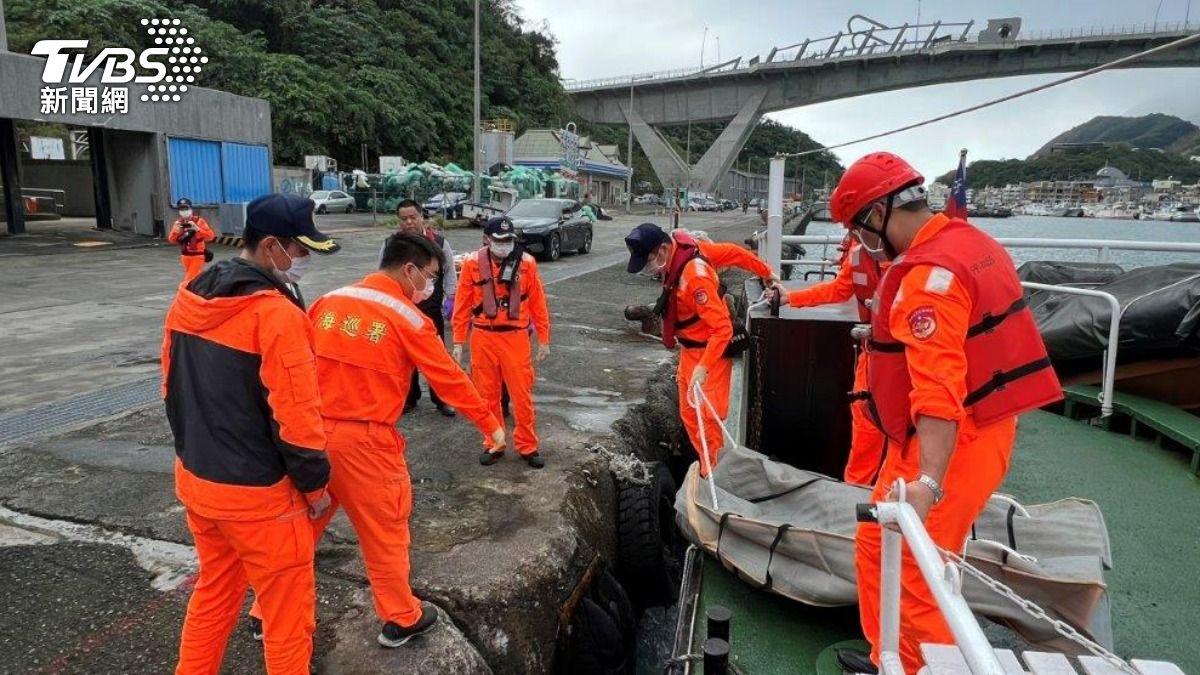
[597, 645]
[349, 209]
[321, 209]
[587, 243]
[553, 247]
[649, 547]
[603, 631]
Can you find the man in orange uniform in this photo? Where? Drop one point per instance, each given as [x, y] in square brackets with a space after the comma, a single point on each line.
[500, 295]
[240, 386]
[369, 338]
[955, 357]
[190, 232]
[857, 277]
[695, 315]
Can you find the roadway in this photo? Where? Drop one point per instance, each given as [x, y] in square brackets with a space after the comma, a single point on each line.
[94, 556]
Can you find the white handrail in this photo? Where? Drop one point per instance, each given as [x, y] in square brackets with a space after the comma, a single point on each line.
[944, 580]
[1100, 245]
[1114, 334]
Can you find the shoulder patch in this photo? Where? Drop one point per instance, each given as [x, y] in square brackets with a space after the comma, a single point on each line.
[701, 297]
[922, 322]
[939, 280]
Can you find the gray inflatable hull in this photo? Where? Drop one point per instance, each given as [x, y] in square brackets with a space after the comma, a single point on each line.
[792, 532]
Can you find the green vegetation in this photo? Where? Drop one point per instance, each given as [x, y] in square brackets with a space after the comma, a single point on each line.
[396, 76]
[1146, 148]
[1143, 165]
[1161, 131]
[767, 139]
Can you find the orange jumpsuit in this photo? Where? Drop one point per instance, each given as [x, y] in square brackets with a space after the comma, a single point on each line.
[703, 343]
[240, 386]
[698, 294]
[938, 367]
[369, 337]
[866, 442]
[501, 353]
[191, 253]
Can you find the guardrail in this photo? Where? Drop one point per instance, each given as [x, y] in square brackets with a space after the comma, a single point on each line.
[877, 40]
[1102, 247]
[943, 578]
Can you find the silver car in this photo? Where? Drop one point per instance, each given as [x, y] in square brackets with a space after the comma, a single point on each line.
[332, 201]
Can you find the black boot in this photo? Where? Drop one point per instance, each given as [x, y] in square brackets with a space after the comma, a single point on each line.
[854, 661]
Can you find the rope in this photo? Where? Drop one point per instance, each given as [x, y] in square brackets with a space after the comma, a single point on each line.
[1175, 44]
[694, 400]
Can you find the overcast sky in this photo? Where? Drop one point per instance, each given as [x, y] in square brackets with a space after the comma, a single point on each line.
[622, 37]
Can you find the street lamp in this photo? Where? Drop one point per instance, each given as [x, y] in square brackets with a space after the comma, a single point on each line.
[476, 169]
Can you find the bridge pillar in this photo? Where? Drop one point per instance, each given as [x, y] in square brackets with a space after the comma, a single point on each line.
[707, 173]
[671, 170]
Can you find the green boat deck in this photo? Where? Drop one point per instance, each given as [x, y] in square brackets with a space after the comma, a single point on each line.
[1151, 504]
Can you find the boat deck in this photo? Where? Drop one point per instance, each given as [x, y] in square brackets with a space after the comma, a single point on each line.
[1151, 504]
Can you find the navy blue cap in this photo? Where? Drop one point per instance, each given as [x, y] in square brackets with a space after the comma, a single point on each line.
[289, 216]
[499, 227]
[183, 203]
[642, 242]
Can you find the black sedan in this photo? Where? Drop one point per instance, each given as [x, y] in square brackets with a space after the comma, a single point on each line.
[548, 227]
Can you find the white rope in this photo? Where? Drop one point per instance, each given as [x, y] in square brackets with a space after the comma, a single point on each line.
[1176, 44]
[694, 400]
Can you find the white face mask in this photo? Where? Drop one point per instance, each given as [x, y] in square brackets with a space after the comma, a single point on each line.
[298, 269]
[654, 268]
[185, 214]
[501, 249]
[422, 294]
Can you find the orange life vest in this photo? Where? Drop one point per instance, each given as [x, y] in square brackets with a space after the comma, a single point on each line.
[1008, 371]
[686, 249]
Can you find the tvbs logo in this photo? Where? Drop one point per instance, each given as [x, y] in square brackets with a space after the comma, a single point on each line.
[167, 69]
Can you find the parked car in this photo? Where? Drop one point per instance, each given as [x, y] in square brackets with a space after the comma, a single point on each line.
[645, 199]
[448, 204]
[547, 227]
[728, 205]
[332, 201]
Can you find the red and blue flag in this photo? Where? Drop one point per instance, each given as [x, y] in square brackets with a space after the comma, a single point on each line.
[956, 204]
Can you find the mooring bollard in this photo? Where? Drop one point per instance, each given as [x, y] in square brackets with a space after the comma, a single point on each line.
[718, 622]
[716, 657]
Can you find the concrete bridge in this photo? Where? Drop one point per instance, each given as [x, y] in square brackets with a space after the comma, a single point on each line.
[867, 58]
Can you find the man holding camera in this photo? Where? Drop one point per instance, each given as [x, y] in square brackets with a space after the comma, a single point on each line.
[191, 232]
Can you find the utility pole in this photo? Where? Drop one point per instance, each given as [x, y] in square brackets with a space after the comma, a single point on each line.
[475, 168]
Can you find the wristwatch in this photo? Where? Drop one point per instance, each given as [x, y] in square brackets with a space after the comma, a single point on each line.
[934, 486]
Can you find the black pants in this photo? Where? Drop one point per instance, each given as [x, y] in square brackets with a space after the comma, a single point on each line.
[414, 388]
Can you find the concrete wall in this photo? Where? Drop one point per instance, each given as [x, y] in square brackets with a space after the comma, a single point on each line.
[73, 177]
[291, 180]
[203, 113]
[133, 165]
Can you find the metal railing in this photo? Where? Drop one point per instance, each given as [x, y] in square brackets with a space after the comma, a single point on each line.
[945, 582]
[1102, 247]
[877, 40]
[1114, 333]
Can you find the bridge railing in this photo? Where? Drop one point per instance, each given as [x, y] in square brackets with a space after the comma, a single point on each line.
[878, 39]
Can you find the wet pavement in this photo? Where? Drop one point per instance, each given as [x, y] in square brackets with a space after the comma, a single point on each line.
[95, 559]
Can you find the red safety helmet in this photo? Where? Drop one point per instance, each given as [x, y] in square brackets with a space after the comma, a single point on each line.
[868, 180]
